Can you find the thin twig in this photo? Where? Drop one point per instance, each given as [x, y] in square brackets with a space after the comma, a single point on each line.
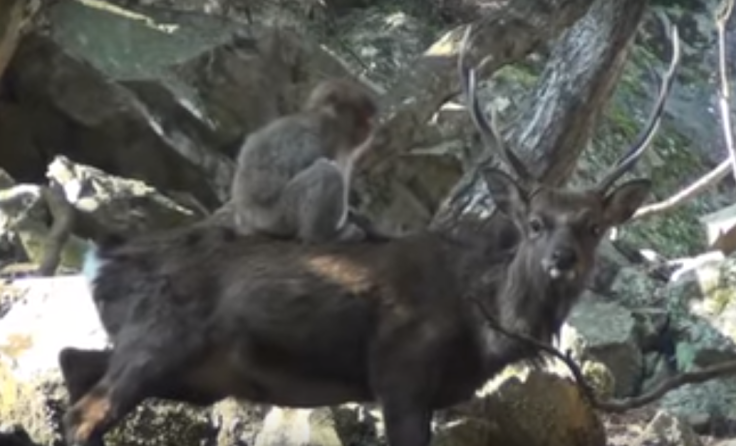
[565, 358]
[62, 214]
[679, 380]
[722, 16]
[613, 405]
[702, 184]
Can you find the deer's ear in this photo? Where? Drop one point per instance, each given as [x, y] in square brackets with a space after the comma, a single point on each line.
[623, 201]
[509, 197]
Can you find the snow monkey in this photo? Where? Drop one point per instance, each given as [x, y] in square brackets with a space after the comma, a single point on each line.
[293, 175]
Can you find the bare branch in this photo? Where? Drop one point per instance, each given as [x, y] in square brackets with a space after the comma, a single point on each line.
[62, 214]
[546, 348]
[722, 17]
[726, 368]
[704, 183]
[717, 174]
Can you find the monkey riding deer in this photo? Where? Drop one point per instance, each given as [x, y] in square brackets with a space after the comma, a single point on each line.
[203, 314]
[293, 175]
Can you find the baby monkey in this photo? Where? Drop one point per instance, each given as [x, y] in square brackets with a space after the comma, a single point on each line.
[293, 175]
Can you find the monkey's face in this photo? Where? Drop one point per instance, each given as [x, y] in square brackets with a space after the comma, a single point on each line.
[352, 102]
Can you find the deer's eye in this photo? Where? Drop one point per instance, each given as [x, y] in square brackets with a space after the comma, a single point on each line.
[536, 225]
[595, 230]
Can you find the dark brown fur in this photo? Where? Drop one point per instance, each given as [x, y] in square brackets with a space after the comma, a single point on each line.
[200, 314]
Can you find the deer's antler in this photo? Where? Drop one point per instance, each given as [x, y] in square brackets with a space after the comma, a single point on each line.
[646, 136]
[490, 134]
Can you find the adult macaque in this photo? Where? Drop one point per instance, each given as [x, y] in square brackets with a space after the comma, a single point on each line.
[293, 175]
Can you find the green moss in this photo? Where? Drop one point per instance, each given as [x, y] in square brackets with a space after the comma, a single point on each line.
[520, 74]
[669, 163]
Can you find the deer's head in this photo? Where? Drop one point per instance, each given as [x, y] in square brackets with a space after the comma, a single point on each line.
[561, 228]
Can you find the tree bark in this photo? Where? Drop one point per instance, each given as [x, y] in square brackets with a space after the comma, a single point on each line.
[513, 29]
[574, 88]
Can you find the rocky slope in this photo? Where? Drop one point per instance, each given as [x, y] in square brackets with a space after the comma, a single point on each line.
[134, 111]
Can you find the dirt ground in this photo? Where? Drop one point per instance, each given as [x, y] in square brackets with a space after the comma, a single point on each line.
[625, 429]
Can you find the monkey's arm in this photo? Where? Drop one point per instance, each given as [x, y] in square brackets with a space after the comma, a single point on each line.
[270, 159]
[371, 233]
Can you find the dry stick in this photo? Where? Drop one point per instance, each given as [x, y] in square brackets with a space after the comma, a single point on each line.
[679, 380]
[721, 19]
[565, 358]
[62, 214]
[714, 176]
[614, 405]
[704, 183]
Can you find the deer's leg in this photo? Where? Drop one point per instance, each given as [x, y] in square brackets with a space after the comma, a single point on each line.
[403, 377]
[81, 369]
[407, 423]
[135, 370]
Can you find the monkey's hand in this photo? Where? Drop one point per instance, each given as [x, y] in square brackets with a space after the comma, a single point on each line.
[351, 233]
[371, 234]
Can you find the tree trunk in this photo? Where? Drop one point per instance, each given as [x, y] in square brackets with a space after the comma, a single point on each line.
[513, 30]
[574, 88]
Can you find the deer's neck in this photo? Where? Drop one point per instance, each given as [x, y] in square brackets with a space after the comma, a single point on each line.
[514, 291]
[528, 301]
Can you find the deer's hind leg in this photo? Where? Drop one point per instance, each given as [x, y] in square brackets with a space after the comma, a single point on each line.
[81, 369]
[135, 371]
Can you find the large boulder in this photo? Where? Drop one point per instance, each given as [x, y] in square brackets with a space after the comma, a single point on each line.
[524, 409]
[159, 96]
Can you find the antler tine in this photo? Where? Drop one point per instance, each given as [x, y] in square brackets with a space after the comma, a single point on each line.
[647, 134]
[489, 131]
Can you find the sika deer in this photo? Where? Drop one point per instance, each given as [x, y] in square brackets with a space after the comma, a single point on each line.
[200, 314]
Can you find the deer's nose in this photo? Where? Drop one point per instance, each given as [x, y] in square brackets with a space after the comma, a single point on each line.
[564, 258]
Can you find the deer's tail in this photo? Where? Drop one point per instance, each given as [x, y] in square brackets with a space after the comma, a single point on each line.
[94, 256]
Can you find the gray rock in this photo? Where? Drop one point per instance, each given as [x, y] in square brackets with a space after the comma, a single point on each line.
[668, 430]
[298, 427]
[607, 333]
[702, 404]
[539, 409]
[48, 315]
[109, 204]
[633, 288]
[703, 308]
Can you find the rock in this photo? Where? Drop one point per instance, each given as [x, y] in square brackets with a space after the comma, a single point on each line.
[634, 289]
[47, 315]
[613, 343]
[298, 427]
[238, 423]
[607, 267]
[143, 102]
[360, 424]
[668, 430]
[600, 379]
[28, 222]
[703, 307]
[106, 203]
[702, 405]
[720, 227]
[539, 409]
[15, 436]
[15, 18]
